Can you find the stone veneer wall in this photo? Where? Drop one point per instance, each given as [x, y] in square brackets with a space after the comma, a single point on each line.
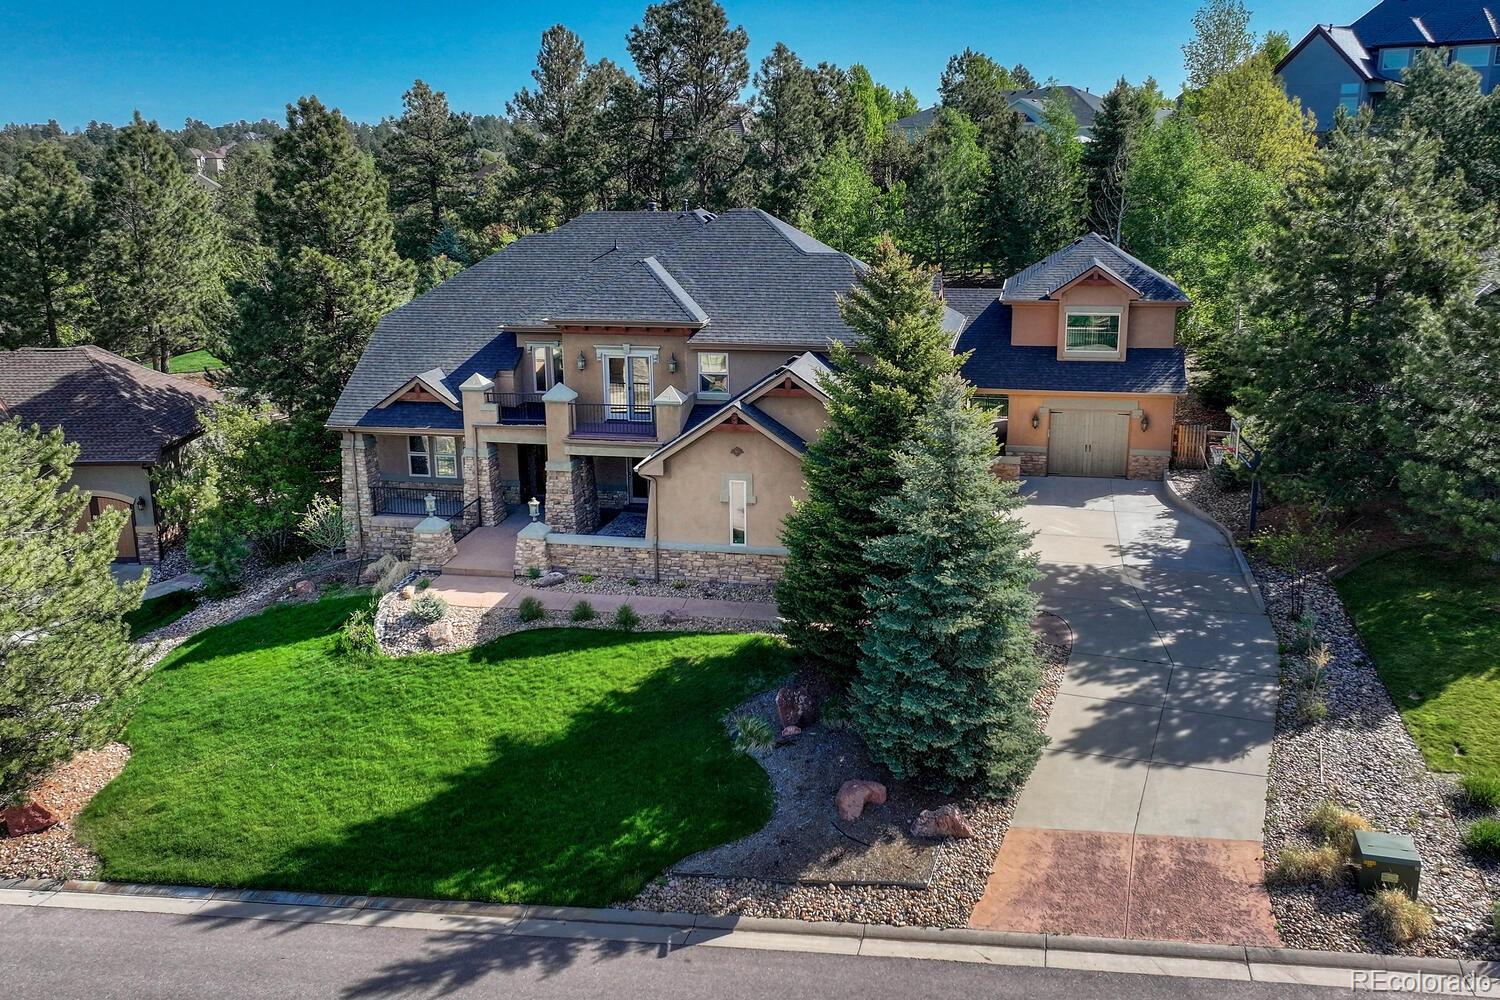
[1033, 463]
[389, 533]
[572, 500]
[360, 471]
[1006, 470]
[432, 544]
[1147, 466]
[626, 560]
[147, 548]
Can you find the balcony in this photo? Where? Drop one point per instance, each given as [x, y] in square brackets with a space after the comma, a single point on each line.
[518, 407]
[612, 422]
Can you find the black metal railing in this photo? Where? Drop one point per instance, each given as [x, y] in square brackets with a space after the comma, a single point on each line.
[518, 407]
[412, 500]
[469, 517]
[611, 420]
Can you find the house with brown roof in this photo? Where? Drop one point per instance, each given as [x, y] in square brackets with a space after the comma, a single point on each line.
[125, 419]
[652, 379]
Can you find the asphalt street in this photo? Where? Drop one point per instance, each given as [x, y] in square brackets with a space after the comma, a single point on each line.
[62, 953]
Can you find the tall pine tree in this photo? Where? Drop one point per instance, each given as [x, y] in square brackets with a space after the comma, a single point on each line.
[427, 162]
[944, 194]
[333, 273]
[948, 666]
[975, 85]
[878, 386]
[787, 140]
[45, 218]
[158, 252]
[1124, 114]
[1032, 203]
[66, 668]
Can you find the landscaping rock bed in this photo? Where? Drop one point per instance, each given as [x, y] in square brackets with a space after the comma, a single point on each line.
[1362, 757]
[65, 790]
[1196, 486]
[959, 869]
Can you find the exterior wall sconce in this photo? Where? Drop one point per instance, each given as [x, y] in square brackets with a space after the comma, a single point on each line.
[583, 362]
[672, 364]
[1036, 420]
[140, 503]
[534, 508]
[1145, 421]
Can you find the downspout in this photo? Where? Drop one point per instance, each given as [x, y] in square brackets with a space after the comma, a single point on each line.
[655, 518]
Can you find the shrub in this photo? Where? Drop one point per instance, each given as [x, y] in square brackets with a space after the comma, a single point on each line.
[634, 581]
[751, 732]
[530, 610]
[1483, 837]
[428, 608]
[424, 583]
[218, 552]
[583, 611]
[323, 525]
[395, 572]
[1304, 634]
[1300, 865]
[1336, 825]
[1311, 709]
[678, 584]
[625, 619]
[357, 637]
[1481, 791]
[533, 572]
[587, 578]
[1402, 918]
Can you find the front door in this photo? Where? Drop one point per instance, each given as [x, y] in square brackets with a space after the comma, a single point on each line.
[126, 548]
[628, 387]
[531, 460]
[1088, 443]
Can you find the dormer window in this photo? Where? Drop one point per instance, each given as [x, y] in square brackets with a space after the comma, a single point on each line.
[713, 373]
[1394, 60]
[1092, 333]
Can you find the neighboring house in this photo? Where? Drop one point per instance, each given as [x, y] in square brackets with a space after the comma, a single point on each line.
[667, 364]
[1031, 105]
[1353, 65]
[125, 419]
[210, 162]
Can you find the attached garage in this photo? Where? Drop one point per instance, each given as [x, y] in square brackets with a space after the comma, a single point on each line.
[1088, 443]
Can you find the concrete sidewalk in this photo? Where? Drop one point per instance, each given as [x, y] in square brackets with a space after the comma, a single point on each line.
[1144, 817]
[487, 592]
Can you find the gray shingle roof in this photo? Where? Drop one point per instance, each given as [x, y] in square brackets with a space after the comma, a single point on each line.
[998, 364]
[115, 410]
[1428, 22]
[743, 277]
[1046, 276]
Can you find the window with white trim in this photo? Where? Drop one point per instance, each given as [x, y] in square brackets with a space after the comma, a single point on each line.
[738, 506]
[1349, 97]
[432, 457]
[713, 373]
[1092, 334]
[1394, 59]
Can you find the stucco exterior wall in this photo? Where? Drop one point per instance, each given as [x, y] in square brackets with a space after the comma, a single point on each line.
[803, 413]
[1314, 76]
[1153, 325]
[390, 455]
[1142, 324]
[125, 482]
[689, 504]
[1033, 324]
[589, 383]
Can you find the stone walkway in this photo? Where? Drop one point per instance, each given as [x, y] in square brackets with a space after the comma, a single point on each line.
[126, 572]
[487, 592]
[1144, 817]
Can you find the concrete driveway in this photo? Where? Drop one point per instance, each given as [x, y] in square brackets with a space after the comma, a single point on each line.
[1144, 816]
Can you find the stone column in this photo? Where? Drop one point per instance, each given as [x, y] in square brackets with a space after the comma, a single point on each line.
[360, 471]
[672, 409]
[572, 495]
[476, 470]
[531, 549]
[432, 544]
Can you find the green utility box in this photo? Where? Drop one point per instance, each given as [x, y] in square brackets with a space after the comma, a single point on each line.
[1387, 861]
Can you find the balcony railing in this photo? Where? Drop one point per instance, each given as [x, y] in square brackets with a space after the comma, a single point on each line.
[518, 407]
[412, 500]
[610, 420]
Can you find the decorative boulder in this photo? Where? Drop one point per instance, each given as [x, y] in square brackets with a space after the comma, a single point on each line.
[787, 735]
[371, 572]
[548, 580]
[794, 706]
[408, 592]
[31, 818]
[944, 821]
[854, 795]
[304, 588]
[440, 633]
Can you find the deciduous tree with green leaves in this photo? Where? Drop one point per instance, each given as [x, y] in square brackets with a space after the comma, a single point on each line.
[843, 206]
[46, 215]
[878, 385]
[333, 273]
[67, 671]
[1125, 113]
[1221, 41]
[158, 255]
[948, 665]
[1246, 114]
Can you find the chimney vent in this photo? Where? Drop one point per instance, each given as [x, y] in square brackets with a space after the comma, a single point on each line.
[652, 206]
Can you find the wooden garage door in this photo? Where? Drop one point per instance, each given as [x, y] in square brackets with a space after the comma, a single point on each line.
[127, 547]
[1088, 443]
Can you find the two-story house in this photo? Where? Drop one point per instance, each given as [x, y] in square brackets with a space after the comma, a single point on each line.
[667, 365]
[1030, 105]
[1353, 65]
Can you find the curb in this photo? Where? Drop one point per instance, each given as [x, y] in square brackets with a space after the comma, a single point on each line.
[1194, 959]
[1187, 505]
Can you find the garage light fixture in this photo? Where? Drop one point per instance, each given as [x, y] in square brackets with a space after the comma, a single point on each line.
[534, 508]
[1036, 420]
[1145, 421]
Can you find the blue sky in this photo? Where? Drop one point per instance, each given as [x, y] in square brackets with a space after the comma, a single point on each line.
[225, 61]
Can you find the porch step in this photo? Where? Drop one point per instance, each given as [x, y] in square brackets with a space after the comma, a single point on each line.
[460, 568]
[489, 551]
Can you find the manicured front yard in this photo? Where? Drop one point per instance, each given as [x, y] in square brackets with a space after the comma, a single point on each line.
[194, 361]
[1432, 624]
[562, 765]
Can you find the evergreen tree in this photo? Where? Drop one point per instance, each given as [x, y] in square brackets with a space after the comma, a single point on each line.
[1124, 114]
[1449, 470]
[157, 260]
[975, 85]
[787, 139]
[899, 332]
[840, 116]
[1022, 77]
[45, 217]
[1032, 203]
[1221, 41]
[1370, 247]
[948, 666]
[247, 176]
[943, 200]
[843, 207]
[427, 162]
[558, 158]
[333, 271]
[1444, 101]
[66, 669]
[645, 114]
[714, 72]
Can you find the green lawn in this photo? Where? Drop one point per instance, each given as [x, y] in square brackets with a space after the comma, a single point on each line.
[1432, 623]
[193, 361]
[159, 611]
[567, 766]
